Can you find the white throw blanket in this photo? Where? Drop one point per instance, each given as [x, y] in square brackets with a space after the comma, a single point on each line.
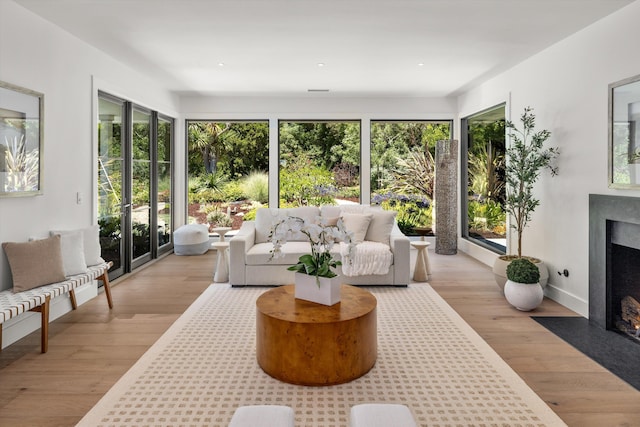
[366, 258]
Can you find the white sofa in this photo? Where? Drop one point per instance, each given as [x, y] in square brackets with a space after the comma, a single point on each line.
[251, 262]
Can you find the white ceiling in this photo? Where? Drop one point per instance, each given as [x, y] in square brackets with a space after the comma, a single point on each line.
[368, 47]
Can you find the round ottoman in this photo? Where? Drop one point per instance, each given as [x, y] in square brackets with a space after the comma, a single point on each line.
[191, 239]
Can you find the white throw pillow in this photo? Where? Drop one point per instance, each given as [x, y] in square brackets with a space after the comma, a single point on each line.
[90, 241]
[358, 224]
[381, 226]
[72, 248]
[266, 218]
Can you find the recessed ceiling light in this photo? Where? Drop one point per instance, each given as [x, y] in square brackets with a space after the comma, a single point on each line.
[220, 64]
[421, 64]
[320, 64]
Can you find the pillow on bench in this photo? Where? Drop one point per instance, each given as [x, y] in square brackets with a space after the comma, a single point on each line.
[90, 243]
[34, 263]
[72, 248]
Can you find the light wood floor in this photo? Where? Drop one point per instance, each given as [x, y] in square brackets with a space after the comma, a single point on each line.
[90, 349]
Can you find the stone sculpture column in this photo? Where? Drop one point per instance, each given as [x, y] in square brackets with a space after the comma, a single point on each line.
[446, 197]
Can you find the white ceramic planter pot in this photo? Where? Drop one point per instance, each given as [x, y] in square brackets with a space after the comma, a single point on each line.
[500, 270]
[328, 293]
[523, 296]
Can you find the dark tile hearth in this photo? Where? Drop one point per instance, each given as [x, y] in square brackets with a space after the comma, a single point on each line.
[614, 351]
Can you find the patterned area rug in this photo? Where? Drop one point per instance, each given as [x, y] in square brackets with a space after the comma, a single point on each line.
[429, 359]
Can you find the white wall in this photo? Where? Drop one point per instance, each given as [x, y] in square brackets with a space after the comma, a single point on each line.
[567, 85]
[37, 55]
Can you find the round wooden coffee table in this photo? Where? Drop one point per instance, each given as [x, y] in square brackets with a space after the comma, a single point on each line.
[301, 342]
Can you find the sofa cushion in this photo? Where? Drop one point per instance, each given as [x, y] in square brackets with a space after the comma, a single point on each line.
[330, 211]
[35, 263]
[260, 253]
[266, 218]
[380, 226]
[358, 224]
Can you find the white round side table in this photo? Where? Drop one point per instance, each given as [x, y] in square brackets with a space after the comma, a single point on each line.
[222, 267]
[422, 270]
[221, 231]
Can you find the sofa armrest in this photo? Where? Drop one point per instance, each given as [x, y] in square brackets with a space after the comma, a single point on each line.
[400, 246]
[239, 245]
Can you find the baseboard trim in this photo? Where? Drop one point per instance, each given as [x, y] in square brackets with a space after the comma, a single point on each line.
[483, 255]
[567, 299]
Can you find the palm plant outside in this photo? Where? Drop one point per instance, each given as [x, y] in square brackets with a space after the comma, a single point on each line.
[526, 157]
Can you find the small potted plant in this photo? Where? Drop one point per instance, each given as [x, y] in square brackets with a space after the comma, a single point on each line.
[315, 279]
[523, 290]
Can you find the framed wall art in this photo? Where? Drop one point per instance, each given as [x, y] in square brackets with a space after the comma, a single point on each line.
[21, 141]
[624, 134]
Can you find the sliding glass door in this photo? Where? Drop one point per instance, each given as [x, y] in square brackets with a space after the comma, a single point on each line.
[141, 185]
[112, 203]
[163, 188]
[134, 183]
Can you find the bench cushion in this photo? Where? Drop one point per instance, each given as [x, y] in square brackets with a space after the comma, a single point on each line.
[263, 416]
[23, 256]
[381, 415]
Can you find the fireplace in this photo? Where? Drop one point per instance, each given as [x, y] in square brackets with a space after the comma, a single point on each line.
[623, 278]
[614, 263]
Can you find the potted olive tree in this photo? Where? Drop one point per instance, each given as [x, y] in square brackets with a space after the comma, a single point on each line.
[526, 158]
[523, 290]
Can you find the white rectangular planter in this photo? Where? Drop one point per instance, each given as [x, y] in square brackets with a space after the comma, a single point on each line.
[328, 293]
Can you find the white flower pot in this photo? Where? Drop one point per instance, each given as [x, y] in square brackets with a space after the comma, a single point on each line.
[500, 270]
[328, 293]
[523, 296]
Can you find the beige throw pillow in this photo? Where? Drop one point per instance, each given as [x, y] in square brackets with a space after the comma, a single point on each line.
[34, 263]
[381, 226]
[358, 224]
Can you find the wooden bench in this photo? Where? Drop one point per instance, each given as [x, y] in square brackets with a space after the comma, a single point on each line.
[38, 299]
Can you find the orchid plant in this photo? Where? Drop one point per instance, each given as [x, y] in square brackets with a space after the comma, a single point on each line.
[322, 236]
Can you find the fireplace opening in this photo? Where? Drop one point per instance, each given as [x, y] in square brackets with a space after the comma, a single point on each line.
[624, 280]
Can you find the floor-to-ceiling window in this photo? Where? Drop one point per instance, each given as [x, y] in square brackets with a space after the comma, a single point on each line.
[483, 154]
[319, 162]
[134, 164]
[403, 169]
[227, 167]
